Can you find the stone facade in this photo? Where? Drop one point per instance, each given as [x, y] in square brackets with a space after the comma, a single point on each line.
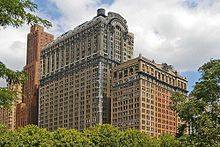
[76, 68]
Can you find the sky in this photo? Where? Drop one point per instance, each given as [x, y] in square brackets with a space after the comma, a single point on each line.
[182, 33]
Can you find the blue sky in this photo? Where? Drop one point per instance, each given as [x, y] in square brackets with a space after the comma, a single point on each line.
[43, 5]
[191, 75]
[183, 33]
[109, 2]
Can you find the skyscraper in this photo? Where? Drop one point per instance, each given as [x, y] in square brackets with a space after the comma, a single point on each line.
[76, 72]
[36, 40]
[141, 91]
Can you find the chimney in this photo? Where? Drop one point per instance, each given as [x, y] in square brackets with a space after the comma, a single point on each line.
[101, 12]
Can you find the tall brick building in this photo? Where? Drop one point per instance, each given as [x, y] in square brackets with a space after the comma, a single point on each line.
[36, 40]
[141, 91]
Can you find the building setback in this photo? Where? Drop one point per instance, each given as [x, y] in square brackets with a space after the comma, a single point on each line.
[75, 72]
[28, 109]
[141, 91]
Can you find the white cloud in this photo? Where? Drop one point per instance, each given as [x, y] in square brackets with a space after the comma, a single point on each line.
[75, 12]
[171, 31]
[12, 47]
[185, 37]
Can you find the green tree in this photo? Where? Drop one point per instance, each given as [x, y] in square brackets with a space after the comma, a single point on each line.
[8, 138]
[15, 13]
[135, 138]
[18, 12]
[99, 135]
[168, 140]
[201, 110]
[12, 77]
[103, 135]
[32, 135]
[68, 138]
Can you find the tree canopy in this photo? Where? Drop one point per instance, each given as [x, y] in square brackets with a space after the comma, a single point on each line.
[201, 110]
[99, 135]
[18, 12]
[12, 77]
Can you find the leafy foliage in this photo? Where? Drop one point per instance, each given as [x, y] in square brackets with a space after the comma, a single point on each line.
[131, 138]
[201, 111]
[99, 135]
[103, 135]
[69, 138]
[6, 97]
[8, 138]
[33, 136]
[15, 77]
[168, 140]
[18, 12]
[12, 77]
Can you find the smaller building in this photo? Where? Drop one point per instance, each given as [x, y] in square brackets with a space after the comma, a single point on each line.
[140, 96]
[8, 115]
[21, 115]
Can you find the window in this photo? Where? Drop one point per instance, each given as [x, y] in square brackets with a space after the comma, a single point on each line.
[120, 74]
[126, 72]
